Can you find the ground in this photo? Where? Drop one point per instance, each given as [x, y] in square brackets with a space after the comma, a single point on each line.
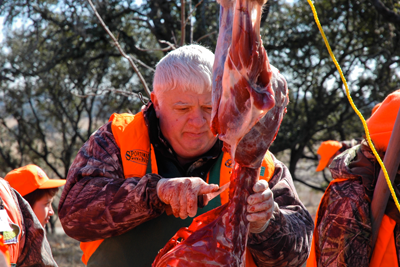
[66, 251]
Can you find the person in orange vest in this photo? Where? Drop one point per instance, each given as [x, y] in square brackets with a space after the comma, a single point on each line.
[23, 235]
[135, 168]
[36, 188]
[329, 149]
[342, 234]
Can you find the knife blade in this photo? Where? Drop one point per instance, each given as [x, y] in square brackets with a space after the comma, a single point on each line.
[203, 200]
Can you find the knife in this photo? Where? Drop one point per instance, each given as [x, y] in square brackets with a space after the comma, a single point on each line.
[203, 200]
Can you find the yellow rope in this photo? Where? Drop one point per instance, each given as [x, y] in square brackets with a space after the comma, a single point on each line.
[354, 107]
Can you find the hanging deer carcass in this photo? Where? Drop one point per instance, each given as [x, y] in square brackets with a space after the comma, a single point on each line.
[247, 112]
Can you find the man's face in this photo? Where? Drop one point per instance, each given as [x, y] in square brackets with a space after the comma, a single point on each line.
[185, 122]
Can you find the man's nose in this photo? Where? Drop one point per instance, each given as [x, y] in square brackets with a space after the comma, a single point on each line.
[198, 117]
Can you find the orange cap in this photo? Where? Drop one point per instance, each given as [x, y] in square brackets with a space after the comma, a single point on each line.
[381, 122]
[327, 150]
[29, 178]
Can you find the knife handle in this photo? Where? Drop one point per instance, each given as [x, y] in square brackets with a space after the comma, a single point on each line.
[201, 201]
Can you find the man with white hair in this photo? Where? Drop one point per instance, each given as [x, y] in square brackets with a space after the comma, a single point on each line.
[137, 170]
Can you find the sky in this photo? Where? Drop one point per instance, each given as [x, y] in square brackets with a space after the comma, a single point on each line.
[1, 28]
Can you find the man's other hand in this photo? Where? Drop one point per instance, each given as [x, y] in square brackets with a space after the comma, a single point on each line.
[260, 207]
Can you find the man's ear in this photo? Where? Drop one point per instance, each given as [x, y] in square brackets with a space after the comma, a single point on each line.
[156, 103]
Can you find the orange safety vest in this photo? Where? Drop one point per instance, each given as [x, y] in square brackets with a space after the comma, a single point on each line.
[4, 251]
[384, 253]
[14, 217]
[135, 160]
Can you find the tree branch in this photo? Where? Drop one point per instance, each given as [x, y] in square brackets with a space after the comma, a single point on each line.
[205, 36]
[120, 49]
[183, 23]
[169, 47]
[386, 13]
[309, 185]
[112, 90]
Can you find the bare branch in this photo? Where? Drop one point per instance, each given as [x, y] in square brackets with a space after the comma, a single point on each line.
[168, 48]
[183, 23]
[38, 126]
[387, 14]
[171, 46]
[30, 144]
[120, 48]
[205, 36]
[152, 49]
[325, 177]
[143, 64]
[191, 11]
[309, 185]
[111, 90]
[191, 21]
[188, 19]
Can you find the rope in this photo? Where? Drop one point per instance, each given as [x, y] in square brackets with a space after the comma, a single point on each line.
[354, 107]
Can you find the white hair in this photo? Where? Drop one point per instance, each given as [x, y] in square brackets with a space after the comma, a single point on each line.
[189, 68]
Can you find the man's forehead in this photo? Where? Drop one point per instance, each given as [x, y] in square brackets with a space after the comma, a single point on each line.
[192, 101]
[188, 98]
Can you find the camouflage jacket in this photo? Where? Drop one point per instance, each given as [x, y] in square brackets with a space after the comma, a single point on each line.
[343, 228]
[97, 203]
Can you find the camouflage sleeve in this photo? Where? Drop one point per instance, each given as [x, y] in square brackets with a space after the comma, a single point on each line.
[97, 201]
[343, 235]
[287, 239]
[346, 144]
[35, 249]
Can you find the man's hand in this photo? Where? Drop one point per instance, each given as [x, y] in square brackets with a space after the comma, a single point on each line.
[260, 207]
[181, 194]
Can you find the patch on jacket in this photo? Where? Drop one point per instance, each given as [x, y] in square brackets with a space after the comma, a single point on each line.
[137, 156]
[11, 237]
